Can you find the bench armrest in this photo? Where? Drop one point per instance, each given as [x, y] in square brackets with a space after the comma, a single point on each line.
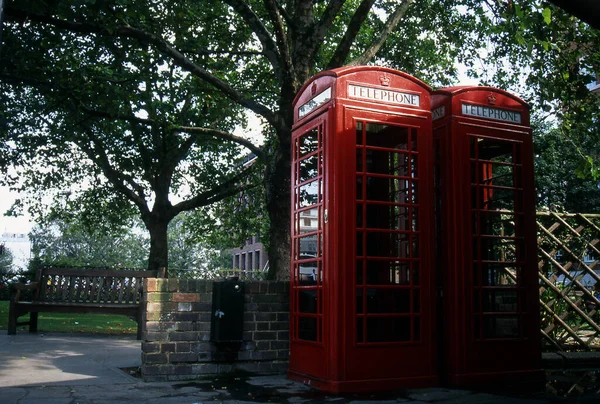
[16, 289]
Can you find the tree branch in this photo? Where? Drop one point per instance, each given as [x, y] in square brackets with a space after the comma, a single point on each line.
[98, 154]
[219, 192]
[378, 42]
[281, 37]
[324, 24]
[223, 135]
[357, 20]
[286, 16]
[263, 35]
[127, 31]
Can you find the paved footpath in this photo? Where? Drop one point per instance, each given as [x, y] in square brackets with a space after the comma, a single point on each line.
[67, 368]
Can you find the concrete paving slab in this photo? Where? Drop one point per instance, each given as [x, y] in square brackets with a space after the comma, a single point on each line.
[67, 369]
[47, 359]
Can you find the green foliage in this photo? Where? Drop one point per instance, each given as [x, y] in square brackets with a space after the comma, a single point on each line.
[230, 222]
[72, 244]
[133, 92]
[107, 128]
[549, 58]
[7, 273]
[556, 160]
[6, 260]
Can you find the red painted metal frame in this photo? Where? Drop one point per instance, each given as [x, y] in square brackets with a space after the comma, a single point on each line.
[334, 359]
[472, 357]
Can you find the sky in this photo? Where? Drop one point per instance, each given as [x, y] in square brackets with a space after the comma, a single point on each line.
[12, 224]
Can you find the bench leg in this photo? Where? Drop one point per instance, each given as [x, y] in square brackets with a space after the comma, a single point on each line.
[33, 322]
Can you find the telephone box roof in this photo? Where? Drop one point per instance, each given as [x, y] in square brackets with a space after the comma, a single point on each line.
[455, 90]
[345, 70]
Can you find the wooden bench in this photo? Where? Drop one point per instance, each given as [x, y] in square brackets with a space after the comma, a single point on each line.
[80, 290]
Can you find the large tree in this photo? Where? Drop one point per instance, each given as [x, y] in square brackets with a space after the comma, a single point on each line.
[255, 53]
[249, 53]
[106, 127]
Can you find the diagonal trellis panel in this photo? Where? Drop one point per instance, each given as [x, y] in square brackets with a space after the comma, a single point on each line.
[568, 254]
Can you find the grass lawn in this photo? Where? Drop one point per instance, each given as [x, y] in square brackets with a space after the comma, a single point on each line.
[74, 323]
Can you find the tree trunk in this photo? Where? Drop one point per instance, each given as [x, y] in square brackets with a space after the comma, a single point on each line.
[278, 177]
[159, 247]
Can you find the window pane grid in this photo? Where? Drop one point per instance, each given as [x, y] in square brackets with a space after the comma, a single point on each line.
[388, 298]
[497, 248]
[307, 237]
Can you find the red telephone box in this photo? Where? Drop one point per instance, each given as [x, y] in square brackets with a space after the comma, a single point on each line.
[486, 268]
[362, 290]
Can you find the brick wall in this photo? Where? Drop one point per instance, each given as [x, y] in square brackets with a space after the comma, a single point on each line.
[176, 343]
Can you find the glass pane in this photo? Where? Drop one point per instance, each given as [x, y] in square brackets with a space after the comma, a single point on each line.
[388, 245]
[493, 149]
[415, 219]
[391, 329]
[388, 300]
[309, 194]
[494, 223]
[307, 246]
[307, 221]
[388, 273]
[359, 187]
[359, 272]
[498, 175]
[359, 215]
[359, 330]
[416, 273]
[359, 159]
[308, 273]
[499, 249]
[498, 198]
[307, 328]
[416, 301]
[359, 244]
[394, 190]
[415, 247]
[499, 300]
[390, 137]
[359, 134]
[359, 301]
[308, 143]
[414, 140]
[497, 274]
[413, 166]
[307, 301]
[388, 162]
[390, 217]
[417, 328]
[309, 168]
[501, 327]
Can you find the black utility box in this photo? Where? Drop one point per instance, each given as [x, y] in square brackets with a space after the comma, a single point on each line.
[227, 311]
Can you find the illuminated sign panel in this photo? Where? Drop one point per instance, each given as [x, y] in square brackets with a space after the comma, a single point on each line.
[491, 113]
[438, 113]
[314, 102]
[383, 95]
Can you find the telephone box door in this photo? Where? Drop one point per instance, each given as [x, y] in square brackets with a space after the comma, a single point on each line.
[390, 282]
[489, 271]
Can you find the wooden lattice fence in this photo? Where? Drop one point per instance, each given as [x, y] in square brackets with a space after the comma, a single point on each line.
[568, 251]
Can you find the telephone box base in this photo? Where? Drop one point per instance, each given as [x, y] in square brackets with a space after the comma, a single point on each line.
[360, 386]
